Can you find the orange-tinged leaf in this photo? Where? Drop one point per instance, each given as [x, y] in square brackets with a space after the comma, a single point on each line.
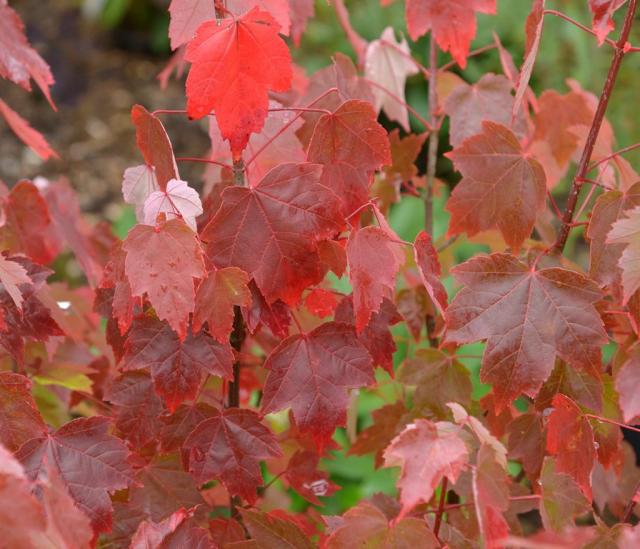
[528, 318]
[234, 65]
[426, 452]
[351, 145]
[162, 263]
[570, 439]
[502, 188]
[453, 23]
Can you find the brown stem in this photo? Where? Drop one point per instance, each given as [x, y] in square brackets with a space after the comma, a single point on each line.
[583, 165]
[236, 340]
[358, 43]
[432, 158]
[441, 503]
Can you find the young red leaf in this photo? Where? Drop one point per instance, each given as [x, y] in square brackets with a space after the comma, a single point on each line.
[376, 336]
[561, 499]
[162, 263]
[426, 452]
[235, 63]
[154, 144]
[164, 487]
[304, 477]
[426, 258]
[20, 419]
[271, 230]
[502, 187]
[30, 137]
[604, 256]
[179, 200]
[533, 30]
[19, 62]
[387, 66]
[137, 407]
[366, 526]
[178, 366]
[374, 260]
[89, 461]
[12, 275]
[228, 447]
[627, 383]
[453, 23]
[491, 496]
[388, 421]
[603, 11]
[28, 228]
[312, 372]
[185, 18]
[489, 99]
[439, 379]
[625, 231]
[321, 303]
[351, 145]
[215, 300]
[526, 442]
[270, 531]
[570, 439]
[513, 307]
[138, 182]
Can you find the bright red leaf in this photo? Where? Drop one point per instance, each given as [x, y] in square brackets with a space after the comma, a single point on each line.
[234, 65]
[30, 137]
[528, 318]
[162, 262]
[228, 447]
[312, 372]
[453, 23]
[602, 11]
[570, 439]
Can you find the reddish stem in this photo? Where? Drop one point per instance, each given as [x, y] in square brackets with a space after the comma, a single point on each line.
[204, 161]
[472, 53]
[554, 204]
[613, 422]
[169, 111]
[415, 113]
[613, 155]
[300, 109]
[579, 25]
[598, 118]
[358, 43]
[441, 504]
[287, 125]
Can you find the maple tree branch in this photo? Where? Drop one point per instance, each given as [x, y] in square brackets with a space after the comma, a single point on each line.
[598, 118]
[568, 19]
[432, 158]
[300, 109]
[358, 43]
[613, 155]
[441, 503]
[428, 125]
[204, 161]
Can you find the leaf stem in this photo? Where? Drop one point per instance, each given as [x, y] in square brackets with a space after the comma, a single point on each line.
[629, 508]
[358, 43]
[204, 161]
[472, 53]
[579, 25]
[169, 111]
[613, 155]
[441, 504]
[603, 102]
[613, 422]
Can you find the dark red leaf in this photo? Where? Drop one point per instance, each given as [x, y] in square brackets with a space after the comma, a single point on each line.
[20, 419]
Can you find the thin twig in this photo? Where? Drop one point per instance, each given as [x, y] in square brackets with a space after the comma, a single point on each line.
[598, 118]
[613, 155]
[613, 422]
[204, 161]
[358, 43]
[579, 25]
[472, 53]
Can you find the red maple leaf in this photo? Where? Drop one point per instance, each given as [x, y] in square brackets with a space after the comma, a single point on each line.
[311, 374]
[235, 62]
